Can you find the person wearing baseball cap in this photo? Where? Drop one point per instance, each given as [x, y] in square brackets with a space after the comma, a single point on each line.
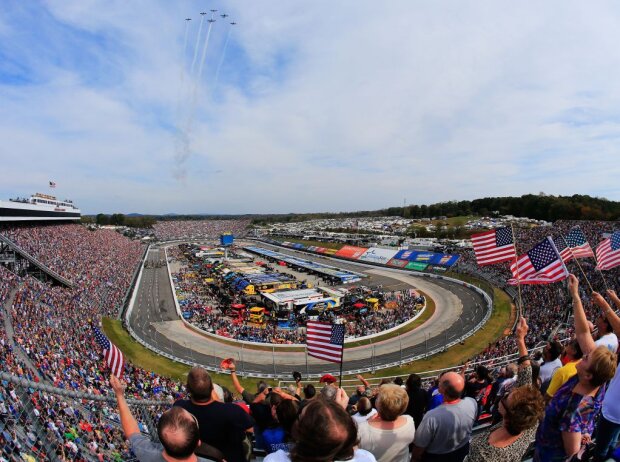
[328, 379]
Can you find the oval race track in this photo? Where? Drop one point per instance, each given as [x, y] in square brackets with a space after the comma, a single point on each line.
[155, 321]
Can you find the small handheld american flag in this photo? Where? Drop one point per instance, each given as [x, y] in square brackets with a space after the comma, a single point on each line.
[494, 246]
[608, 252]
[325, 340]
[113, 356]
[541, 265]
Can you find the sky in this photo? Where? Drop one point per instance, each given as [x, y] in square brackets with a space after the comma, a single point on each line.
[307, 106]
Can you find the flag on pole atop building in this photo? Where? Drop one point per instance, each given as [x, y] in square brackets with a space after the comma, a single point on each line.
[325, 340]
[573, 245]
[608, 252]
[494, 246]
[541, 265]
[113, 356]
[52, 184]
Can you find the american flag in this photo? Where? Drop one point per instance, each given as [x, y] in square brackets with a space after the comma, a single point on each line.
[608, 252]
[541, 265]
[494, 246]
[325, 340]
[573, 245]
[113, 356]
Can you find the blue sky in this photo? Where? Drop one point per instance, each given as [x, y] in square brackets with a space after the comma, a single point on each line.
[318, 106]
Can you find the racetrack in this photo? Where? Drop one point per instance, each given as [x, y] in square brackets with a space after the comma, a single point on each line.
[154, 319]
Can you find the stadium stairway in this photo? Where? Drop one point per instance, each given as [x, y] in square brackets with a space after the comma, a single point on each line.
[48, 271]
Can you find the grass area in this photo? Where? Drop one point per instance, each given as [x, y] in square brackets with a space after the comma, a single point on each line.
[458, 221]
[494, 329]
[142, 357]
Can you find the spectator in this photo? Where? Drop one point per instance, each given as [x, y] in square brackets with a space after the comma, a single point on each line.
[417, 398]
[606, 336]
[521, 410]
[222, 425]
[177, 430]
[388, 435]
[364, 409]
[445, 431]
[551, 361]
[571, 414]
[608, 427]
[323, 433]
[572, 355]
[279, 436]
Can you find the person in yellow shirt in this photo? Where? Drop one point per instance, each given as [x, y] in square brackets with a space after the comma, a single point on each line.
[572, 355]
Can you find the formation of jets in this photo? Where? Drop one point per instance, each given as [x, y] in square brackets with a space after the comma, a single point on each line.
[223, 16]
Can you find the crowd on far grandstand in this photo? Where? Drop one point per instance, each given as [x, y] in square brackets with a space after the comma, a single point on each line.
[190, 229]
[51, 342]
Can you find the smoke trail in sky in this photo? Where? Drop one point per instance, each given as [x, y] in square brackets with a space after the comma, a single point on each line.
[219, 65]
[197, 45]
[204, 49]
[184, 50]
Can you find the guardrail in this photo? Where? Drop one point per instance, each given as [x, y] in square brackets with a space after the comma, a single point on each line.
[25, 424]
[403, 359]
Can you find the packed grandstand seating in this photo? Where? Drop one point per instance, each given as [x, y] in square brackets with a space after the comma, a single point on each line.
[189, 229]
[53, 344]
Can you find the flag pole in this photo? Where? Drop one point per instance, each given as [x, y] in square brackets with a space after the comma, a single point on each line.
[577, 261]
[341, 361]
[520, 300]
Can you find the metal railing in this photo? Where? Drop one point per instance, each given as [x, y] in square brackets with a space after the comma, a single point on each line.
[41, 422]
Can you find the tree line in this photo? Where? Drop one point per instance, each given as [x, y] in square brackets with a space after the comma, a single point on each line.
[540, 206]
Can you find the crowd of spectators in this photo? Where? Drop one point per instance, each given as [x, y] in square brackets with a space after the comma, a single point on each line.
[191, 229]
[547, 306]
[464, 415]
[52, 328]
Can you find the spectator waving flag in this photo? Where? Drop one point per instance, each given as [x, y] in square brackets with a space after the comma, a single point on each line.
[573, 245]
[541, 265]
[608, 252]
[113, 356]
[325, 340]
[494, 246]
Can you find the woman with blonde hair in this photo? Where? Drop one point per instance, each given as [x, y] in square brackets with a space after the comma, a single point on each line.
[521, 410]
[389, 433]
[571, 414]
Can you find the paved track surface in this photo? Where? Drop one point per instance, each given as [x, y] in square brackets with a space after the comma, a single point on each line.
[155, 320]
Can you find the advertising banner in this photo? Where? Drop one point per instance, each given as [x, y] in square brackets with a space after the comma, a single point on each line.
[350, 251]
[444, 259]
[375, 255]
[416, 266]
[330, 251]
[405, 254]
[398, 263]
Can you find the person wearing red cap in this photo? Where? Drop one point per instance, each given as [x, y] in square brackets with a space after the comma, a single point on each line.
[328, 379]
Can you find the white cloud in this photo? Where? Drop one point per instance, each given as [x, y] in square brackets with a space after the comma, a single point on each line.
[320, 106]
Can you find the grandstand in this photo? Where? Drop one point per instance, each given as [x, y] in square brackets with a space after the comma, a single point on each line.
[55, 280]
